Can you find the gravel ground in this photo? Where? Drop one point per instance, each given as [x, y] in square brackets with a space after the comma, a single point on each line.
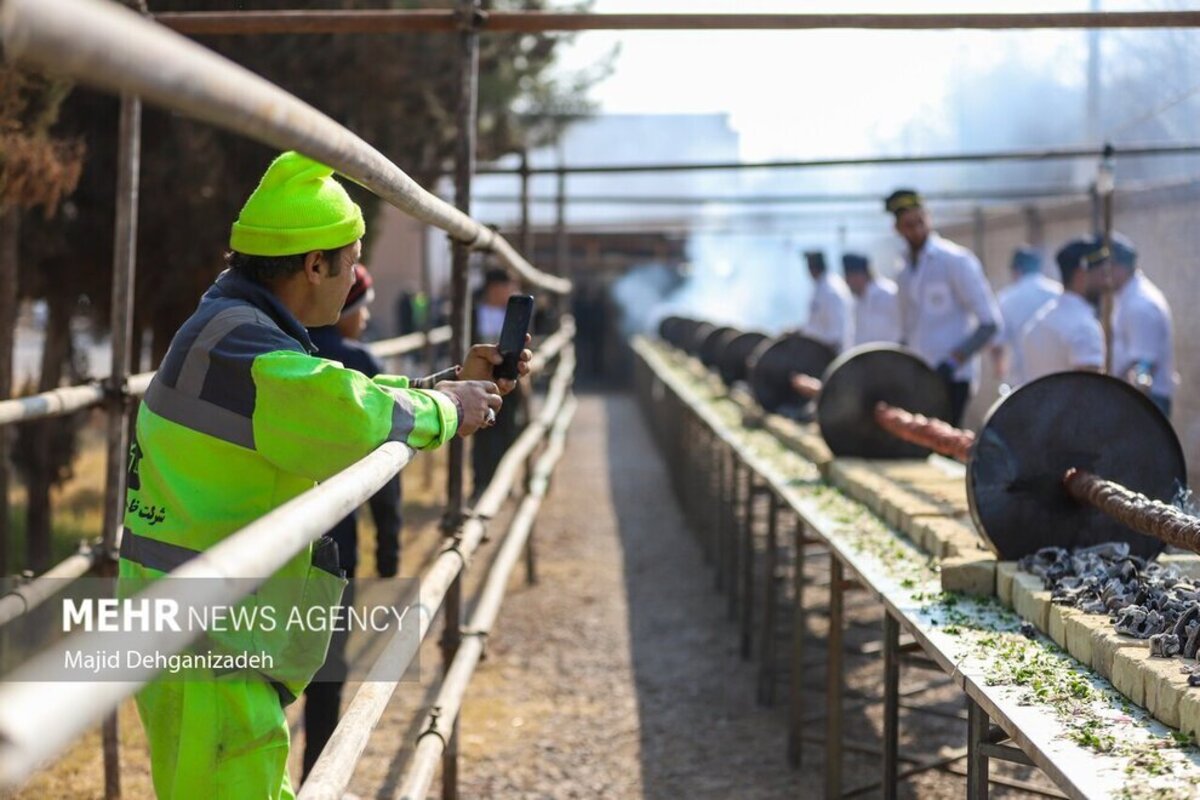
[618, 676]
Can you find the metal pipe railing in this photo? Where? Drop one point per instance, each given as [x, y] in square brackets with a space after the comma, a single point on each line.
[978, 157]
[110, 47]
[25, 597]
[69, 399]
[409, 342]
[332, 771]
[66, 400]
[246, 23]
[67, 710]
[553, 345]
[436, 728]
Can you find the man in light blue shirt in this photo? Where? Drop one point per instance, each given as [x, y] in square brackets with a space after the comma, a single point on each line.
[1143, 339]
[1019, 302]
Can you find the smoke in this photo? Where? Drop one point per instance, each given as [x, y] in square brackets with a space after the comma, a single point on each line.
[640, 294]
[750, 281]
[1185, 501]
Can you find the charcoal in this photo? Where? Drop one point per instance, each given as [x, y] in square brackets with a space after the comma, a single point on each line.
[1165, 645]
[1191, 615]
[1143, 599]
[1131, 621]
[1192, 644]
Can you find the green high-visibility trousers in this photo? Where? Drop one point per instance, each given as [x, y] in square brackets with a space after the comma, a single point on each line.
[209, 737]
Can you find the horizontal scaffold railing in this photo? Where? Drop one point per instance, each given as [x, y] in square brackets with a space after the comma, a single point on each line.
[39, 719]
[69, 399]
[110, 47]
[447, 20]
[331, 773]
[21, 598]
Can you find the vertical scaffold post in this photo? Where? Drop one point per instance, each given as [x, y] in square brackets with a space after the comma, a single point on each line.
[562, 251]
[129, 138]
[525, 233]
[833, 683]
[891, 705]
[1105, 186]
[460, 322]
[799, 624]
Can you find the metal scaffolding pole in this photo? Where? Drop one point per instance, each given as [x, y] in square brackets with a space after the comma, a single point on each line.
[129, 138]
[981, 157]
[868, 198]
[526, 232]
[460, 322]
[110, 47]
[429, 20]
[561, 249]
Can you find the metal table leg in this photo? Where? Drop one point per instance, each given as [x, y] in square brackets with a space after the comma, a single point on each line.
[799, 622]
[833, 684]
[977, 759]
[712, 495]
[891, 705]
[731, 542]
[746, 562]
[723, 514]
[766, 637]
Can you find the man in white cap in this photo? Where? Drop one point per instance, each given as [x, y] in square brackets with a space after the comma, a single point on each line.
[947, 310]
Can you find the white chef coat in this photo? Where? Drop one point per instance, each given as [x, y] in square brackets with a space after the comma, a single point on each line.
[1142, 331]
[942, 298]
[877, 313]
[830, 314]
[1018, 302]
[1062, 336]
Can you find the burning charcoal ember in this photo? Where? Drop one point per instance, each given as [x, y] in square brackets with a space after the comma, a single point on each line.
[1165, 645]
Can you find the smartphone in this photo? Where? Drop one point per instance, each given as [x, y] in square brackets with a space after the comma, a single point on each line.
[517, 318]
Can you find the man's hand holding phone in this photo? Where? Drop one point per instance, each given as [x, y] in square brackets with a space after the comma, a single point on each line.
[482, 359]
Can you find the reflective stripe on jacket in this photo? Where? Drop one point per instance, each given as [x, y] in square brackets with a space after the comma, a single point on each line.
[240, 418]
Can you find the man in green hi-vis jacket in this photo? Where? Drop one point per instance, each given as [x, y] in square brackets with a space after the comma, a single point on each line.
[241, 417]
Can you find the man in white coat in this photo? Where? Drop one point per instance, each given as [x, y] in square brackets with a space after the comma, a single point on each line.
[876, 307]
[1065, 334]
[947, 310]
[1029, 291]
[1143, 339]
[831, 312]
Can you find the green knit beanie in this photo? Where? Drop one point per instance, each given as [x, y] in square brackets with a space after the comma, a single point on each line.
[298, 207]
